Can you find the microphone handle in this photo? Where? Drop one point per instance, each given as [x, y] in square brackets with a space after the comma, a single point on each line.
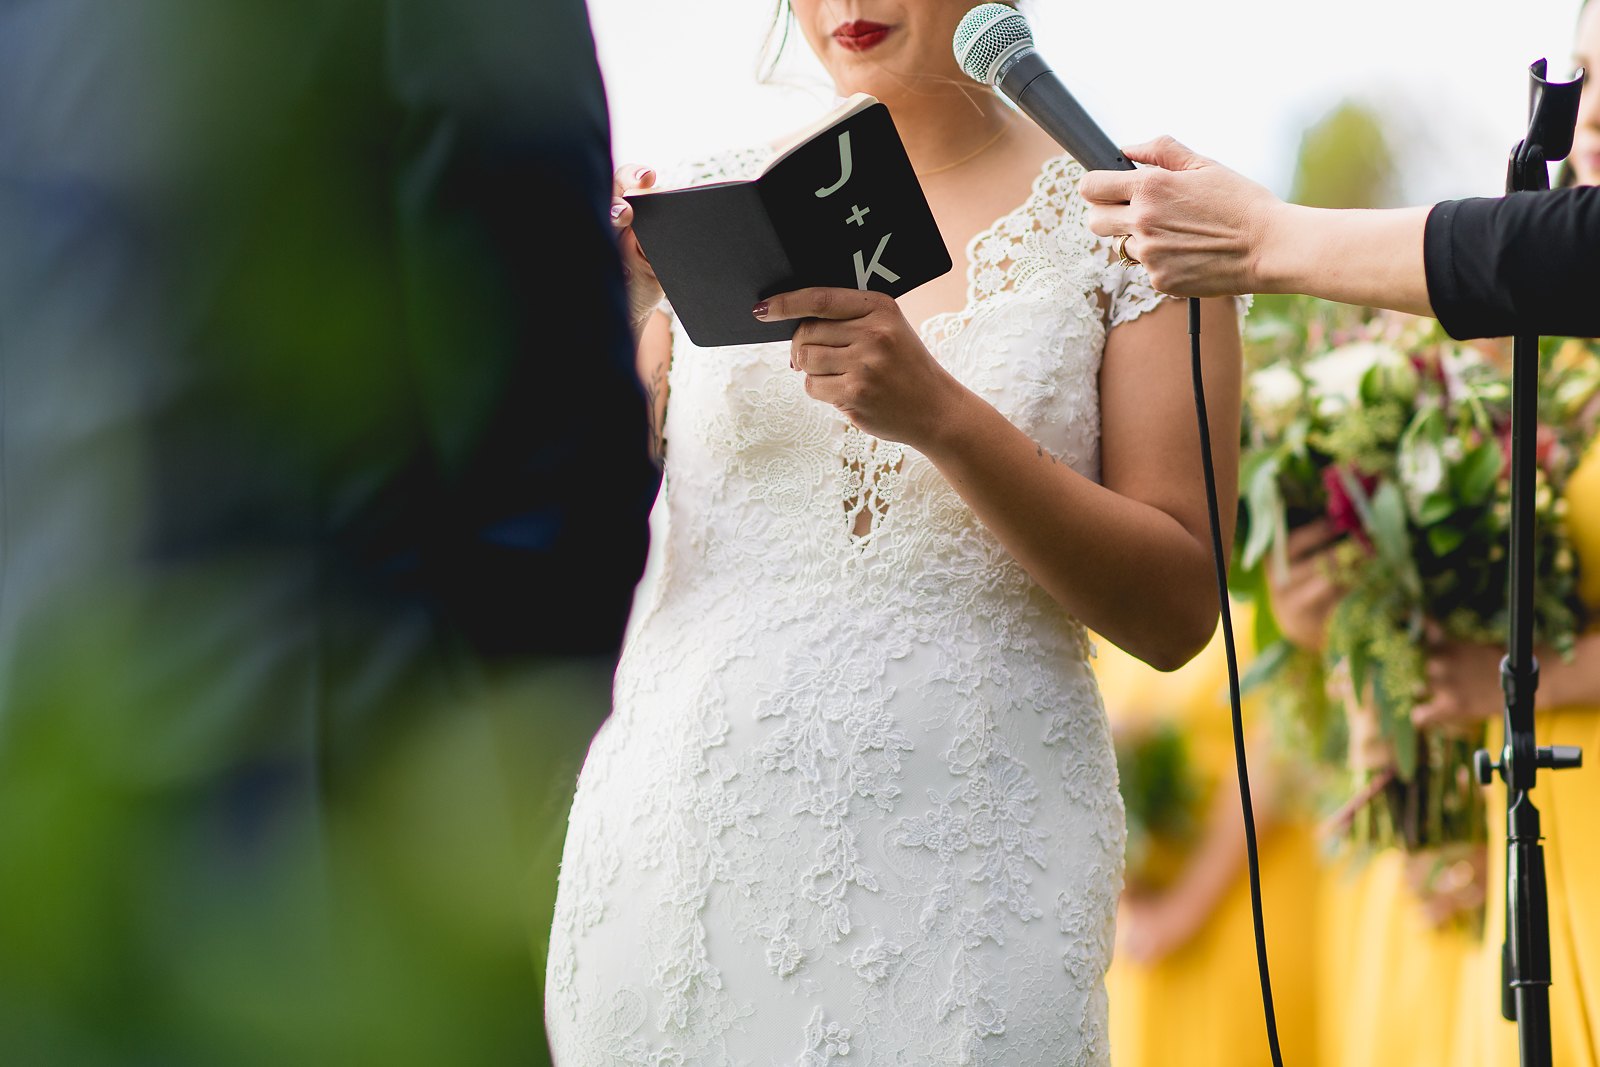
[1030, 83]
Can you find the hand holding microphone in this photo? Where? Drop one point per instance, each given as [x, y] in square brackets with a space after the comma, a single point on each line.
[1199, 228]
[1207, 252]
[1203, 254]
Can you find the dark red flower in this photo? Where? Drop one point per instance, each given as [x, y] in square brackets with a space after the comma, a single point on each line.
[1342, 511]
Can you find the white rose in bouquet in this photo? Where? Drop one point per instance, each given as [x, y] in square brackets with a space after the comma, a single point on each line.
[1336, 377]
[1421, 467]
[1275, 395]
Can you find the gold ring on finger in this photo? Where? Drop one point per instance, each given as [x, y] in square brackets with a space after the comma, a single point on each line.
[1120, 245]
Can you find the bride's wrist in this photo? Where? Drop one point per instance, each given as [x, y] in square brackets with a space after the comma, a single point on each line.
[947, 420]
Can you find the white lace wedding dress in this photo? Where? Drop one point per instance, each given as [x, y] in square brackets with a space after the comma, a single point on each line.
[857, 802]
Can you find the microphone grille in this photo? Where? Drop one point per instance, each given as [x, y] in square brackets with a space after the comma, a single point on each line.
[987, 36]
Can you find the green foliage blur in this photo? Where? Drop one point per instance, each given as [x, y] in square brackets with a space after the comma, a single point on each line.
[142, 921]
[1345, 161]
[1162, 795]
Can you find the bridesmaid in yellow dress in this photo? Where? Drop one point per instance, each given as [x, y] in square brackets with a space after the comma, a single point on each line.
[1464, 684]
[1396, 981]
[1183, 984]
[1395, 967]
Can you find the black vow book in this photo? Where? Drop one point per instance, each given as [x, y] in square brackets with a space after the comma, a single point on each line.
[839, 207]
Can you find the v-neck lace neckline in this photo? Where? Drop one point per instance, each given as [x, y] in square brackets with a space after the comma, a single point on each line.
[943, 319]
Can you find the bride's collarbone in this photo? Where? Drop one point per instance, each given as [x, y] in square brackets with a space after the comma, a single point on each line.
[943, 296]
[960, 224]
[968, 203]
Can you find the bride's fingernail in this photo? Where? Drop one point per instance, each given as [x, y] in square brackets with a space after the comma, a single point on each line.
[618, 208]
[760, 310]
[646, 174]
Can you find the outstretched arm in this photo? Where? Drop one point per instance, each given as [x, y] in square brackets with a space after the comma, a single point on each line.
[1204, 230]
[1486, 267]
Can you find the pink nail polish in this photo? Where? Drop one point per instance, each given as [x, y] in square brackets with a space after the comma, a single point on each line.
[646, 175]
[617, 209]
[760, 310]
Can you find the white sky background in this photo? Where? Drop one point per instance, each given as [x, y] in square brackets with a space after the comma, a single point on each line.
[1238, 80]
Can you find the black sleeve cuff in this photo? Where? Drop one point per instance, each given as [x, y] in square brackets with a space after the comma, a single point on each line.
[1462, 267]
[1524, 263]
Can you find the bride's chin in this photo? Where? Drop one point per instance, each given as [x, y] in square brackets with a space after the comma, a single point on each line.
[875, 82]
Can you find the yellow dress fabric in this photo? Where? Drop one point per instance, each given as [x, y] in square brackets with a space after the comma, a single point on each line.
[1201, 1006]
[1569, 806]
[1393, 987]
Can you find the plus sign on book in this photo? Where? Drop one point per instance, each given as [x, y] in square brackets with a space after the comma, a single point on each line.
[840, 206]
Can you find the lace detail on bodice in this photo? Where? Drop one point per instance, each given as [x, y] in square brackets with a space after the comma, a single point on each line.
[857, 801]
[1042, 234]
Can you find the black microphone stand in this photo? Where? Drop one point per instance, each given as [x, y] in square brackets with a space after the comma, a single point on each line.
[1525, 954]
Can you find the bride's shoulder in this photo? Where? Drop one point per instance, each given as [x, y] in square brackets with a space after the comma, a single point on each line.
[1054, 200]
[1059, 175]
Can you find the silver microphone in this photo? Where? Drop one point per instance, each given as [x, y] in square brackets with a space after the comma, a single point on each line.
[994, 45]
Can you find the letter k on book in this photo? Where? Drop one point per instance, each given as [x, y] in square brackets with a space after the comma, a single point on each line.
[822, 213]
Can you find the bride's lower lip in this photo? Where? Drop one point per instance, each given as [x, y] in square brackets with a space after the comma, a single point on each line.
[862, 41]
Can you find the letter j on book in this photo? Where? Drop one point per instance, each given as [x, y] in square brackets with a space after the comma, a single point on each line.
[844, 167]
[863, 273]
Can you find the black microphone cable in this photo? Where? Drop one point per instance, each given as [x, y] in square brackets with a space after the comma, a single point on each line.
[993, 45]
[1221, 562]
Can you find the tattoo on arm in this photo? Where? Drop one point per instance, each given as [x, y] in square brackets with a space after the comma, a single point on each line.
[655, 391]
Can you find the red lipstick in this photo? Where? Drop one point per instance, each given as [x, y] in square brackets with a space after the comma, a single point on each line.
[860, 35]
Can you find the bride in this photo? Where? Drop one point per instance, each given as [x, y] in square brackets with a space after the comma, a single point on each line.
[857, 800]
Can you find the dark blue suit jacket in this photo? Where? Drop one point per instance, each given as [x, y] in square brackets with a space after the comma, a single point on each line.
[318, 419]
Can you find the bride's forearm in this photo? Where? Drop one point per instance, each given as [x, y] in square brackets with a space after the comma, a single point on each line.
[1128, 570]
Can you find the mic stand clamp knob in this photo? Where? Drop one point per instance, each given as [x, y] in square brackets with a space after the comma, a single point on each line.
[1548, 757]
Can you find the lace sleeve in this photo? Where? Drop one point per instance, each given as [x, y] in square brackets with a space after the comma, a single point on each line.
[1128, 290]
[1131, 293]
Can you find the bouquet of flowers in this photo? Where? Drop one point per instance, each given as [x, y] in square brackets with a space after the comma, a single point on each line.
[1161, 796]
[1401, 438]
